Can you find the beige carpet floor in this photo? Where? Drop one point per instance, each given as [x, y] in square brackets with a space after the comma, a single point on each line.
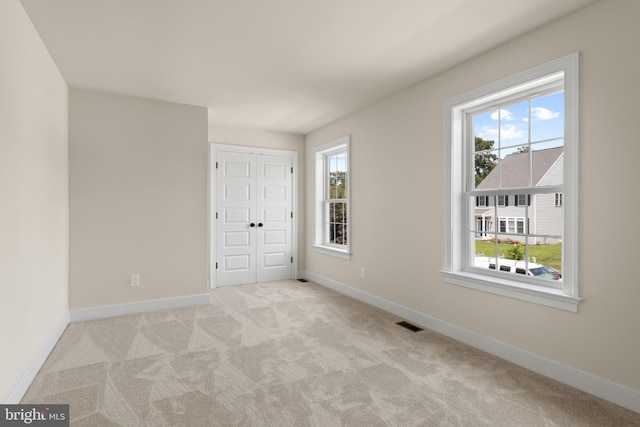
[295, 354]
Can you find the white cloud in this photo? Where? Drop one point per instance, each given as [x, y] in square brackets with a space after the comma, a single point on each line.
[542, 113]
[511, 132]
[504, 115]
[506, 132]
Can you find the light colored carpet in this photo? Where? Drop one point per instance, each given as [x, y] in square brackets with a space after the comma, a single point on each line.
[294, 354]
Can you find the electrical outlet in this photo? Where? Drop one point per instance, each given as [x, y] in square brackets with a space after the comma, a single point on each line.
[362, 272]
[135, 280]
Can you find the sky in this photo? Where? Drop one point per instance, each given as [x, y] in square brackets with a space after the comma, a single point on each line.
[546, 120]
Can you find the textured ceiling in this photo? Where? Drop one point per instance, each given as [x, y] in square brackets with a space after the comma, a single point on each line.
[286, 65]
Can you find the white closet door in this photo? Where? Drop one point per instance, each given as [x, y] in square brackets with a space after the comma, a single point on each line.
[236, 211]
[253, 207]
[274, 218]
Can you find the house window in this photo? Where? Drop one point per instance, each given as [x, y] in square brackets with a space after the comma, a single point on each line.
[516, 137]
[511, 225]
[332, 213]
[557, 202]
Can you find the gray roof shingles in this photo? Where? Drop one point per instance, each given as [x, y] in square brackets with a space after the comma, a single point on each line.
[513, 169]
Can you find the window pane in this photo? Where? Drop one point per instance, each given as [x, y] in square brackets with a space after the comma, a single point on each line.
[337, 165]
[485, 251]
[341, 236]
[514, 167]
[547, 165]
[485, 148]
[548, 221]
[485, 128]
[512, 220]
[486, 176]
[332, 186]
[337, 227]
[547, 118]
[514, 127]
[483, 225]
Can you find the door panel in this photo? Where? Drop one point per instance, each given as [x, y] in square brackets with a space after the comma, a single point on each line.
[253, 189]
[236, 239]
[274, 212]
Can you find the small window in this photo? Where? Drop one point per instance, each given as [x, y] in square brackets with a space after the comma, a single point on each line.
[558, 200]
[503, 200]
[511, 225]
[332, 213]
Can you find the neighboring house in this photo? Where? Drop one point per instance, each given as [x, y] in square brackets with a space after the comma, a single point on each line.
[544, 211]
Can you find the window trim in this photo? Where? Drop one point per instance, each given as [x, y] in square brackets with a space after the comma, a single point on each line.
[516, 220]
[454, 110]
[557, 200]
[319, 154]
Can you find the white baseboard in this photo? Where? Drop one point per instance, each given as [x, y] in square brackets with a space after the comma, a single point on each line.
[589, 383]
[15, 395]
[101, 312]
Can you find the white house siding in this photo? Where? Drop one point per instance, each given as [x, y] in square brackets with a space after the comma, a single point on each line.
[548, 216]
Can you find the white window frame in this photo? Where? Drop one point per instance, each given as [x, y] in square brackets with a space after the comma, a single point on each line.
[320, 153]
[456, 260]
[557, 200]
[513, 225]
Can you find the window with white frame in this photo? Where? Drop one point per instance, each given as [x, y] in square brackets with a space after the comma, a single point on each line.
[557, 200]
[515, 137]
[511, 225]
[332, 212]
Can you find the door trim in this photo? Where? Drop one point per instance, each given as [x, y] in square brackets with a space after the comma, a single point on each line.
[213, 154]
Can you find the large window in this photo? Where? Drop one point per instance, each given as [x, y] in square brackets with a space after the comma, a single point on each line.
[332, 198]
[515, 139]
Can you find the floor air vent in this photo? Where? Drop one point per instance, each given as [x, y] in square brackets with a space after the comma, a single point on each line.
[409, 326]
[303, 280]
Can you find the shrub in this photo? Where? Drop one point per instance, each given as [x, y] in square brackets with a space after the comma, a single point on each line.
[516, 252]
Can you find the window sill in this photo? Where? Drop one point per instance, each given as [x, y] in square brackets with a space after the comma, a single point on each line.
[536, 294]
[328, 250]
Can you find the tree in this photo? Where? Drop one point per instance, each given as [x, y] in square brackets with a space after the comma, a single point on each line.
[338, 209]
[485, 160]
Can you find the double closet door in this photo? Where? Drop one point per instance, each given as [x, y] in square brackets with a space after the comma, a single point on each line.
[253, 218]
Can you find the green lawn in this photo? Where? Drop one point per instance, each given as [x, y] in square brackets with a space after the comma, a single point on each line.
[545, 254]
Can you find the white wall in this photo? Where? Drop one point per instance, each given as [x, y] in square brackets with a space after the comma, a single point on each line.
[138, 199]
[274, 140]
[33, 194]
[397, 202]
